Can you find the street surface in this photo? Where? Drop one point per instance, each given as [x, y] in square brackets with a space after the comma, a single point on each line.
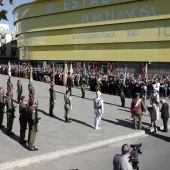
[155, 149]
[56, 136]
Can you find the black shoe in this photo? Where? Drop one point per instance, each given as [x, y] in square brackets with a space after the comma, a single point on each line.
[68, 121]
[23, 142]
[52, 115]
[2, 126]
[33, 149]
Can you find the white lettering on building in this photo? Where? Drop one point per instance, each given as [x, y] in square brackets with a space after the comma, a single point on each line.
[135, 12]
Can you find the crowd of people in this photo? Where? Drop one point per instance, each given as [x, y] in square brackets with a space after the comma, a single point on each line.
[108, 83]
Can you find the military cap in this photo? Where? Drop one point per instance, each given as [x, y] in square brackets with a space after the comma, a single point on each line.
[8, 93]
[22, 98]
[31, 100]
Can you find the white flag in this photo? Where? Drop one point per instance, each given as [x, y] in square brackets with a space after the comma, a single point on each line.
[9, 69]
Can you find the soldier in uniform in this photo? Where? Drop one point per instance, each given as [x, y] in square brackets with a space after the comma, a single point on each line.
[33, 120]
[10, 113]
[2, 105]
[122, 98]
[52, 99]
[31, 90]
[83, 87]
[69, 83]
[67, 106]
[98, 109]
[19, 90]
[10, 86]
[23, 118]
[98, 84]
[137, 107]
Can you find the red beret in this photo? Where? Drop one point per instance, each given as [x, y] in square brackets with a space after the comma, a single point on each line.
[8, 93]
[22, 98]
[31, 100]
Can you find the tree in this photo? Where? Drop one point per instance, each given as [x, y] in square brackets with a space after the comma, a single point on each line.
[4, 12]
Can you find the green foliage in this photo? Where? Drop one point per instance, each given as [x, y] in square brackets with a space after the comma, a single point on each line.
[4, 12]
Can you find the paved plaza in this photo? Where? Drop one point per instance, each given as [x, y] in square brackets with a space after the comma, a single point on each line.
[56, 138]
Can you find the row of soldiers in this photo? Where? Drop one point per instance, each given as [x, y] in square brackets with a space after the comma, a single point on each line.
[27, 109]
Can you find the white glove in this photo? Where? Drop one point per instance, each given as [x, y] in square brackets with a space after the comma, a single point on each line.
[71, 107]
[54, 101]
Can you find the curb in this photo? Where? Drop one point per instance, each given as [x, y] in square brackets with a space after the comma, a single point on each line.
[39, 159]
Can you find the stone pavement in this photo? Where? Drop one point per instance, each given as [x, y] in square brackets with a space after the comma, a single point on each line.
[56, 138]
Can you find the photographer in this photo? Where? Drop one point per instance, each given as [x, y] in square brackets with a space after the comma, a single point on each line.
[121, 162]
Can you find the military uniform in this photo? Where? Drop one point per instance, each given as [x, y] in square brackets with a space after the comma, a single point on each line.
[23, 121]
[2, 105]
[31, 91]
[10, 113]
[69, 84]
[137, 107]
[52, 99]
[10, 87]
[32, 119]
[83, 87]
[67, 106]
[98, 85]
[19, 90]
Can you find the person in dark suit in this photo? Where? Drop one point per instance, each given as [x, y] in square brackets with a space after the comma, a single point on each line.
[165, 114]
[122, 98]
[137, 107]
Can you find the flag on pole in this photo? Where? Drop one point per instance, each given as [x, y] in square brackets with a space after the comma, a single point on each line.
[71, 69]
[53, 73]
[65, 74]
[125, 76]
[9, 69]
[31, 76]
[146, 71]
[84, 68]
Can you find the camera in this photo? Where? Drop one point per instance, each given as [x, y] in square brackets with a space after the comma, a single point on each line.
[135, 150]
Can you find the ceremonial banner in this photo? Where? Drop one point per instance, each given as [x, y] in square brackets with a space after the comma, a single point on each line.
[31, 76]
[143, 68]
[9, 69]
[111, 67]
[65, 75]
[96, 66]
[78, 65]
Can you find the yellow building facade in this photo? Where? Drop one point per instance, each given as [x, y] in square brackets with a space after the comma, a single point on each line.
[94, 30]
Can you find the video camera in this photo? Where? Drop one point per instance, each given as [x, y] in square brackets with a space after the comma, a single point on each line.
[134, 155]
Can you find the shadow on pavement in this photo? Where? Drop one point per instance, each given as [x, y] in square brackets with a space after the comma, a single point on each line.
[92, 100]
[45, 113]
[120, 122]
[15, 138]
[129, 124]
[124, 110]
[83, 123]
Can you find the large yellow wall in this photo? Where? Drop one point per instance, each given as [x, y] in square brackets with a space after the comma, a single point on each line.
[103, 30]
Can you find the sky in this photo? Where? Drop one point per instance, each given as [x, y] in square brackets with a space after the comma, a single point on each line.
[7, 6]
